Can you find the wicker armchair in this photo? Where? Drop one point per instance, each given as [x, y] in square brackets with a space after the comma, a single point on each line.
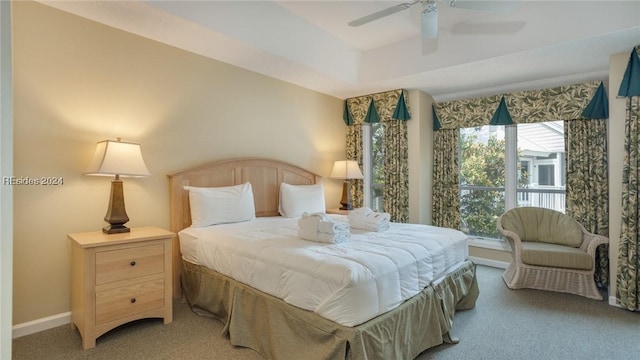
[551, 251]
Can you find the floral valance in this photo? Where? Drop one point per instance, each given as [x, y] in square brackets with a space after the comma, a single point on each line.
[380, 107]
[559, 103]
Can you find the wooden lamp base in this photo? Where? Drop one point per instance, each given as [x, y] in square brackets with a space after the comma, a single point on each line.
[116, 214]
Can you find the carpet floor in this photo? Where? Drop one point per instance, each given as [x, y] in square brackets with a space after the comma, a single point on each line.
[505, 324]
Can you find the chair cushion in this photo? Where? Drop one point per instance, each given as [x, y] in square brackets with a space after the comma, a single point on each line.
[543, 225]
[552, 255]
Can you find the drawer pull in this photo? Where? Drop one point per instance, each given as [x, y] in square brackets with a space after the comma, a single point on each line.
[133, 300]
[133, 263]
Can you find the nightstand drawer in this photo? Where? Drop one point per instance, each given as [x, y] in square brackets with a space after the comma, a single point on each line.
[125, 301]
[115, 265]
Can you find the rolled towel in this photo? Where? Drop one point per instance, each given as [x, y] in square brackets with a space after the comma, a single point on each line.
[332, 227]
[335, 238]
[357, 217]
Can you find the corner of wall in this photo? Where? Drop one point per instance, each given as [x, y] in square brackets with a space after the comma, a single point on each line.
[420, 133]
[6, 193]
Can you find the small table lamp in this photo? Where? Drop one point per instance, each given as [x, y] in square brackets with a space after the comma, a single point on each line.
[347, 170]
[120, 159]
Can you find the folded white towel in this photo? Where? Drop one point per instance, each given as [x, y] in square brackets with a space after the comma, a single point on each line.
[366, 219]
[376, 221]
[357, 216]
[308, 225]
[319, 227]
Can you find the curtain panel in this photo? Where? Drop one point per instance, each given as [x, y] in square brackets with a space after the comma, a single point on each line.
[354, 152]
[628, 272]
[391, 109]
[587, 183]
[446, 187]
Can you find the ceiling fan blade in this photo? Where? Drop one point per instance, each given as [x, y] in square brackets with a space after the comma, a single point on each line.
[382, 13]
[493, 6]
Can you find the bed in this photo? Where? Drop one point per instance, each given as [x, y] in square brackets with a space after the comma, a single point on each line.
[263, 318]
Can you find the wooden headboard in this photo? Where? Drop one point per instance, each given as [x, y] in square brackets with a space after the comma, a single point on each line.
[265, 176]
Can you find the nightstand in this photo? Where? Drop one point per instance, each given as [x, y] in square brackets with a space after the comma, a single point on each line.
[118, 278]
[338, 211]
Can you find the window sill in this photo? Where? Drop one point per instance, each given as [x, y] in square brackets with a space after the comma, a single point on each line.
[492, 244]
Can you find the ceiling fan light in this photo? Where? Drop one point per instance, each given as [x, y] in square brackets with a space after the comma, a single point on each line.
[429, 22]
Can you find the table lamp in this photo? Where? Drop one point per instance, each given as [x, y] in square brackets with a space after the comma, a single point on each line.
[117, 158]
[346, 170]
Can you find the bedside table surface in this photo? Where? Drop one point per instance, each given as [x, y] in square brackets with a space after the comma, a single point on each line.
[337, 211]
[98, 238]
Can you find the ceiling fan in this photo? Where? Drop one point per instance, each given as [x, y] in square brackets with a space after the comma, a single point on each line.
[429, 14]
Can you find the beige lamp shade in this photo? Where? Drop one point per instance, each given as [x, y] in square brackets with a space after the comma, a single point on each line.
[117, 158]
[346, 169]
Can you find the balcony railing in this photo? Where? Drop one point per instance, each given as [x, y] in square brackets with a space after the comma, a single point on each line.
[550, 197]
[483, 225]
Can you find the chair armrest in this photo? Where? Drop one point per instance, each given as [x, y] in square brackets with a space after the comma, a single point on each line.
[590, 242]
[513, 239]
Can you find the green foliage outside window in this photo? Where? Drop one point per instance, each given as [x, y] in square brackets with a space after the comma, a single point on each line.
[483, 165]
[377, 162]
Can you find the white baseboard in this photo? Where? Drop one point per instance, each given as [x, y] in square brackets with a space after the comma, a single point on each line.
[489, 262]
[613, 302]
[43, 324]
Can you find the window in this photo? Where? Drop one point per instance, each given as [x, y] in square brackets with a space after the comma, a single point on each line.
[545, 175]
[373, 166]
[502, 167]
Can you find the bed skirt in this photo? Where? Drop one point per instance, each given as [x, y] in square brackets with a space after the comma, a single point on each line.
[278, 330]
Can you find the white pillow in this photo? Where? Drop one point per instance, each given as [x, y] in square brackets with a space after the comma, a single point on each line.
[221, 205]
[298, 199]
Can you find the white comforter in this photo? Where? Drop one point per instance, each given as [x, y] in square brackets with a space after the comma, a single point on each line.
[348, 283]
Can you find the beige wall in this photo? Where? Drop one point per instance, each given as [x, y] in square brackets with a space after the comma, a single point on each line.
[78, 82]
[420, 136]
